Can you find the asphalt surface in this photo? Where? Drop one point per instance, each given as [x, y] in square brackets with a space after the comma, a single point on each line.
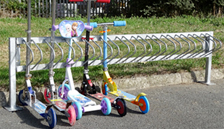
[185, 106]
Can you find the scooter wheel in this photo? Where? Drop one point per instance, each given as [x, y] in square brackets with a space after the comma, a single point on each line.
[22, 98]
[145, 106]
[72, 117]
[105, 106]
[47, 95]
[66, 90]
[104, 89]
[122, 110]
[51, 118]
[78, 110]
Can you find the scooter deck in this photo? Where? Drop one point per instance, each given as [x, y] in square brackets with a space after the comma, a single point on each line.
[83, 100]
[38, 106]
[59, 104]
[100, 97]
[127, 96]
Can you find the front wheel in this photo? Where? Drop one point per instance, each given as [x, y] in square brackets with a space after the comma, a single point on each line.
[22, 98]
[105, 106]
[66, 90]
[144, 104]
[51, 118]
[47, 96]
[72, 115]
[78, 110]
[121, 107]
[104, 89]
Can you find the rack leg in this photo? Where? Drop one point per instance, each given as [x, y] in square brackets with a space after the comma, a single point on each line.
[12, 76]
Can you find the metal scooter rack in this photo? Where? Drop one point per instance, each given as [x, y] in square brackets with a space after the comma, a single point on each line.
[137, 48]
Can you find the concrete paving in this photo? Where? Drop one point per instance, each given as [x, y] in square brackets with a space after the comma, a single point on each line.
[182, 106]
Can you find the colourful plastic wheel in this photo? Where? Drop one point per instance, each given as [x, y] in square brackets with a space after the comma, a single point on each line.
[78, 110]
[144, 107]
[66, 89]
[72, 117]
[104, 89]
[51, 118]
[21, 98]
[122, 110]
[47, 95]
[105, 106]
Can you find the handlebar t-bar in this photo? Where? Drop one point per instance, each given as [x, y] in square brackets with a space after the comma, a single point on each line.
[75, 0]
[99, 1]
[115, 23]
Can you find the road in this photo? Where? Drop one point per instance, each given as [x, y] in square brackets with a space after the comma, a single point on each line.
[185, 106]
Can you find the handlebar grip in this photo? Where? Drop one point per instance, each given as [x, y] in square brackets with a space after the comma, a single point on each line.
[55, 27]
[103, 1]
[89, 28]
[119, 23]
[93, 24]
[75, 0]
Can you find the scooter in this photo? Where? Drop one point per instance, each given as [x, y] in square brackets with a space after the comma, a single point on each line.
[118, 102]
[71, 29]
[109, 86]
[92, 90]
[50, 93]
[28, 96]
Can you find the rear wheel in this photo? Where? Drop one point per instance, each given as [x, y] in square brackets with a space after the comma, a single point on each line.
[78, 110]
[51, 118]
[105, 106]
[72, 115]
[122, 109]
[144, 104]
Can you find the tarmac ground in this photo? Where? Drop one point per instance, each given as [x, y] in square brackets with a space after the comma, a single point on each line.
[182, 106]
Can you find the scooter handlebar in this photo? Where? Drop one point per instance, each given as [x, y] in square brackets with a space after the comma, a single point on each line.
[99, 1]
[75, 0]
[103, 1]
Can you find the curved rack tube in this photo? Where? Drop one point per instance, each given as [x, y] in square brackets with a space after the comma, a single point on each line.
[185, 52]
[73, 52]
[81, 53]
[155, 42]
[163, 43]
[93, 51]
[216, 40]
[110, 53]
[171, 51]
[118, 52]
[142, 45]
[41, 55]
[31, 53]
[53, 55]
[131, 54]
[203, 44]
[177, 42]
[62, 54]
[192, 42]
[99, 55]
[124, 55]
[210, 51]
[200, 50]
[146, 53]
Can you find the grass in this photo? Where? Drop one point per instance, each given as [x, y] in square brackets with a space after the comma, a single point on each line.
[135, 25]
